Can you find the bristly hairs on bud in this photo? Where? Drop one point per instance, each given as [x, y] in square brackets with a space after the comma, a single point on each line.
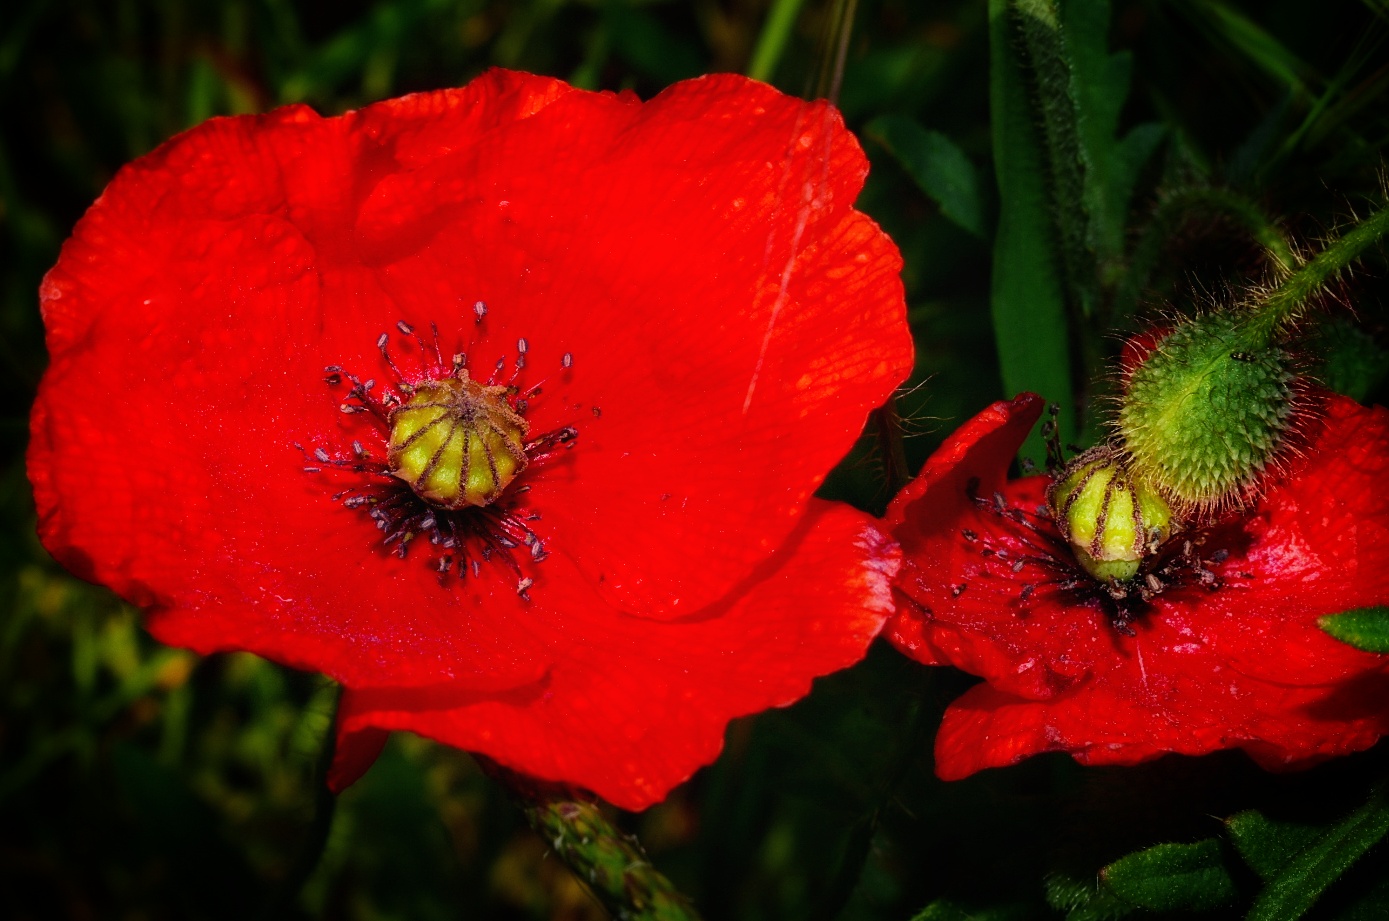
[1206, 417]
[1221, 401]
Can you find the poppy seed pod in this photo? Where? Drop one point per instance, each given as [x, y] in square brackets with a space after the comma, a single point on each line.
[1113, 520]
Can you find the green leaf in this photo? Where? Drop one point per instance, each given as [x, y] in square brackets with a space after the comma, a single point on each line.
[1028, 300]
[1311, 870]
[939, 168]
[1099, 84]
[1085, 900]
[1266, 845]
[1363, 628]
[1173, 877]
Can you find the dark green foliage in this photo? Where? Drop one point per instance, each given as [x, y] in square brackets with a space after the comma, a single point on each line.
[1030, 300]
[1299, 877]
[939, 169]
[1051, 171]
[1172, 877]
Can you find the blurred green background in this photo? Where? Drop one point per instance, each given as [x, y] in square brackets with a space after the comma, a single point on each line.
[142, 782]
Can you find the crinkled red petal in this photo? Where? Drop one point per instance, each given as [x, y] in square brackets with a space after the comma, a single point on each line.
[631, 707]
[696, 255]
[962, 603]
[1196, 709]
[1244, 666]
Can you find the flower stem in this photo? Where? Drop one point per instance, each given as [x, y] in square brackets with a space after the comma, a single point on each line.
[1175, 208]
[771, 42]
[1290, 300]
[611, 864]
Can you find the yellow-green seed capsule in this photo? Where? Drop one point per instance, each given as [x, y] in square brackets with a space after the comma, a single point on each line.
[457, 442]
[1113, 520]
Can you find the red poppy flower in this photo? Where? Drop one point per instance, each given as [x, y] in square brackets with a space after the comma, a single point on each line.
[1228, 655]
[659, 324]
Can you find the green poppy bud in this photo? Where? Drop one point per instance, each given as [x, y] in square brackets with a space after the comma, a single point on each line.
[1208, 411]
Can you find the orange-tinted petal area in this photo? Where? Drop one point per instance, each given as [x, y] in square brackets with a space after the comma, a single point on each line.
[683, 282]
[1242, 665]
[632, 706]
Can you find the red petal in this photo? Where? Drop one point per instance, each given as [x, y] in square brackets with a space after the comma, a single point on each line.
[354, 755]
[192, 314]
[1244, 666]
[702, 296]
[964, 608]
[1192, 709]
[696, 256]
[1319, 544]
[631, 707]
[928, 513]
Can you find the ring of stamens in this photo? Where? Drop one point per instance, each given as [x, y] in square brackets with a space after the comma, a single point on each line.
[1026, 539]
[455, 447]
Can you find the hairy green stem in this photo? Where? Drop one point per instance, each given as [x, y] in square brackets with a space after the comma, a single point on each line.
[611, 864]
[1244, 211]
[1048, 67]
[1166, 220]
[1289, 302]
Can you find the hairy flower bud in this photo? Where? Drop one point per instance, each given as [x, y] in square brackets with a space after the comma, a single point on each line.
[1207, 411]
[1112, 519]
[457, 442]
